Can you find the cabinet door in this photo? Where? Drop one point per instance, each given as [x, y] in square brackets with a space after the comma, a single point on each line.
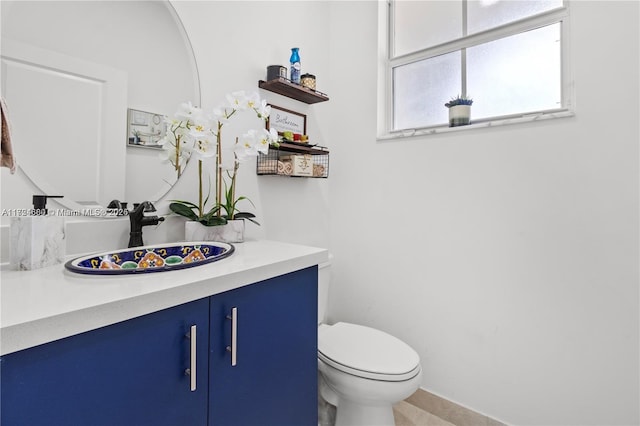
[130, 373]
[274, 381]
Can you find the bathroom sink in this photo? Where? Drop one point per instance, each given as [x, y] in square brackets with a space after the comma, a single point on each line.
[152, 258]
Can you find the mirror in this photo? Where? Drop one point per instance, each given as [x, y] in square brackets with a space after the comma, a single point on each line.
[71, 70]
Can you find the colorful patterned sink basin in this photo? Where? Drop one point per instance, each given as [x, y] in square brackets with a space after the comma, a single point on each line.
[153, 258]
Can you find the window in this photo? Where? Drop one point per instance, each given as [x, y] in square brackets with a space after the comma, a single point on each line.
[505, 54]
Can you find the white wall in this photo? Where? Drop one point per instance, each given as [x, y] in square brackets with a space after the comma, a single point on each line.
[234, 42]
[508, 257]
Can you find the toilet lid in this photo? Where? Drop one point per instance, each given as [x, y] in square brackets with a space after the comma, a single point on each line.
[367, 352]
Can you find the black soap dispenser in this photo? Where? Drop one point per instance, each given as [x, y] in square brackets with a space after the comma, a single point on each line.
[38, 239]
[40, 204]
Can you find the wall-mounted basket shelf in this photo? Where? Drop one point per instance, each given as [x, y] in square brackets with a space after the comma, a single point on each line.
[285, 87]
[294, 160]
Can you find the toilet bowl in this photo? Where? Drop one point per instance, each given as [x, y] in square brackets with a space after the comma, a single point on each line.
[362, 371]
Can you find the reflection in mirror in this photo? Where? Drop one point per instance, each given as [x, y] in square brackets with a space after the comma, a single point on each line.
[59, 110]
[145, 129]
[79, 140]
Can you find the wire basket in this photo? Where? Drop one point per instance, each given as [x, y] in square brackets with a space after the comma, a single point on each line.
[294, 161]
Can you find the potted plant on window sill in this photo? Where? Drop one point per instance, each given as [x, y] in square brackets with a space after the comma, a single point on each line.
[224, 221]
[459, 111]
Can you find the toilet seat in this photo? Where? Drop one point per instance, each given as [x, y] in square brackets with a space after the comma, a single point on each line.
[366, 352]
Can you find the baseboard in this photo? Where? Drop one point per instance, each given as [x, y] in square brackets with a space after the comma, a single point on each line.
[449, 411]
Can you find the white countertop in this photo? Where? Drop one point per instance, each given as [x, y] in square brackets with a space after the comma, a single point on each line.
[47, 304]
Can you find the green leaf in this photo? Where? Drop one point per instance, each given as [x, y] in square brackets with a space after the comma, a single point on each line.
[254, 221]
[246, 215]
[186, 203]
[211, 213]
[183, 210]
[241, 198]
[213, 221]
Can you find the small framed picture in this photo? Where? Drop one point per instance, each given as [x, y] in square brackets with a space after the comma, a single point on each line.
[145, 129]
[285, 120]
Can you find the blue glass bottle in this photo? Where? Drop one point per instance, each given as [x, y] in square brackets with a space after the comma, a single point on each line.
[295, 65]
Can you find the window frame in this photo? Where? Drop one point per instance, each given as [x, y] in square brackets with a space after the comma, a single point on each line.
[387, 62]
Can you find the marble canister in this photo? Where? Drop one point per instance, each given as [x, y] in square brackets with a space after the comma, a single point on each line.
[232, 232]
[37, 242]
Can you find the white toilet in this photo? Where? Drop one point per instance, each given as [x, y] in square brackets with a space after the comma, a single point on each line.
[363, 371]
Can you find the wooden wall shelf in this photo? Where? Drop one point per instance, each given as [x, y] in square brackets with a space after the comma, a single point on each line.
[284, 87]
[300, 148]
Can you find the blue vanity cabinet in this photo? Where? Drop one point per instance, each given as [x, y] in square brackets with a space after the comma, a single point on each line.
[274, 337]
[133, 373]
[130, 373]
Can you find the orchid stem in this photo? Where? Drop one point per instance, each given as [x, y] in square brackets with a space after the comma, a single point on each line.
[178, 155]
[232, 191]
[219, 168]
[200, 206]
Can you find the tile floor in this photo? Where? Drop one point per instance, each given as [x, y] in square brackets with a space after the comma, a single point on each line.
[441, 412]
[406, 414]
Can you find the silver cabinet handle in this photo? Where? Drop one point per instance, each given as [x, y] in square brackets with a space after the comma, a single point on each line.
[191, 371]
[233, 348]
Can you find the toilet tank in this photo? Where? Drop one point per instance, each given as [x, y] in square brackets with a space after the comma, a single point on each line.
[324, 280]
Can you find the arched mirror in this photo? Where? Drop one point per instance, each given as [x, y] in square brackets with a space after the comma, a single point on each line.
[86, 84]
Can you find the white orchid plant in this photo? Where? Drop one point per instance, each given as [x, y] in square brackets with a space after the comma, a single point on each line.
[198, 133]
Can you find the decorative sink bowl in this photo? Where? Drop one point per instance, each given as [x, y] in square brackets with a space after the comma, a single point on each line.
[153, 258]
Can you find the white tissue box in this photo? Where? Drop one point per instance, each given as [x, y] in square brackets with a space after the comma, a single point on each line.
[37, 242]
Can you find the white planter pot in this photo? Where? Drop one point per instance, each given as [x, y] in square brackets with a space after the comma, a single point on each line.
[232, 232]
[459, 115]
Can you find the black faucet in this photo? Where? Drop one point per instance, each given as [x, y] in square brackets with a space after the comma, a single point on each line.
[119, 208]
[138, 220]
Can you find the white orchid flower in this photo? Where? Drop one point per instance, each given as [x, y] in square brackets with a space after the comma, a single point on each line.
[182, 133]
[253, 100]
[169, 142]
[238, 100]
[186, 111]
[174, 131]
[263, 110]
[171, 121]
[200, 127]
[169, 150]
[247, 145]
[266, 138]
[174, 124]
[204, 148]
[203, 141]
[221, 115]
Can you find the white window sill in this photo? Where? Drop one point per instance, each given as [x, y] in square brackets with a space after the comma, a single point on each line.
[480, 125]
